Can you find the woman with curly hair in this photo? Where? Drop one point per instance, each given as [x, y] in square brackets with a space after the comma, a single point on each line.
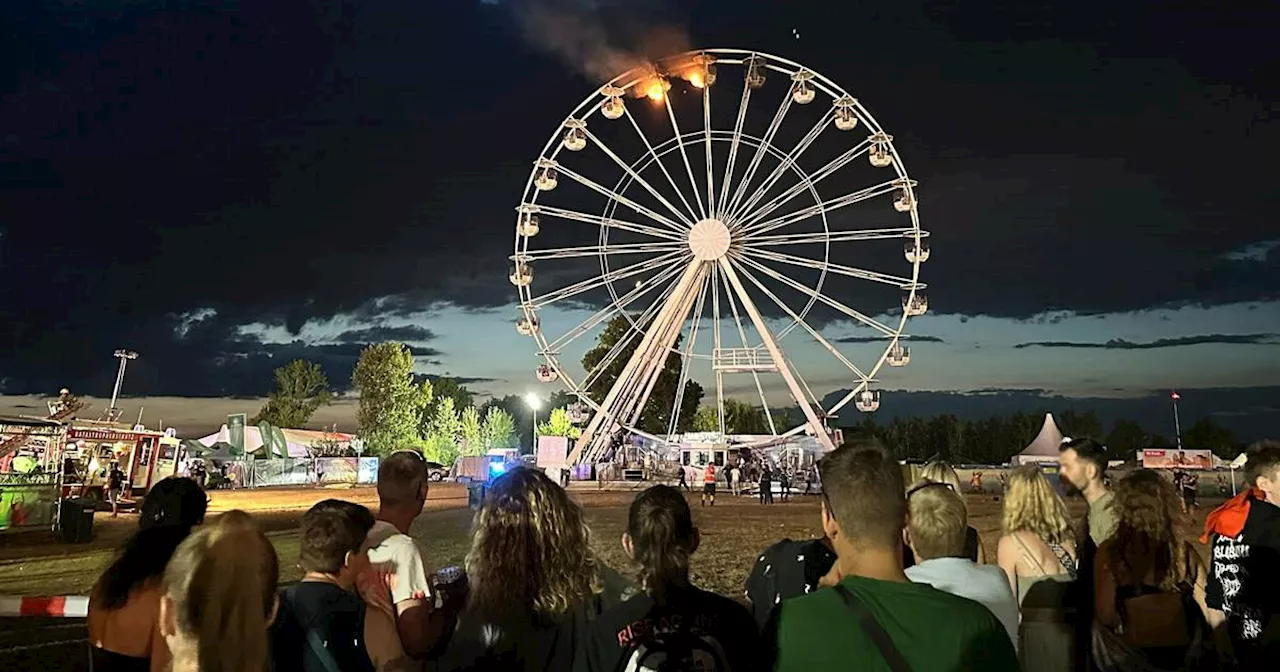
[1149, 581]
[1038, 554]
[535, 582]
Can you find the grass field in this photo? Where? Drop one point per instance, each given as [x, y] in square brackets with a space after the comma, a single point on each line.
[733, 532]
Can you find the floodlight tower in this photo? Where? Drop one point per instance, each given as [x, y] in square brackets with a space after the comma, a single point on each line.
[124, 356]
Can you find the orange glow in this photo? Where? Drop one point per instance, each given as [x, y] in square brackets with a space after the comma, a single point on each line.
[696, 78]
[655, 91]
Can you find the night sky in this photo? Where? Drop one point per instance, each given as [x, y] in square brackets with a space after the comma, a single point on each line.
[225, 186]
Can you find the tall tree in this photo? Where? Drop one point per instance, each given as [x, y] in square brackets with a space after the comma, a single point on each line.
[706, 419]
[656, 415]
[1126, 436]
[472, 432]
[499, 429]
[444, 431]
[448, 387]
[301, 389]
[390, 403]
[558, 423]
[1207, 433]
[743, 418]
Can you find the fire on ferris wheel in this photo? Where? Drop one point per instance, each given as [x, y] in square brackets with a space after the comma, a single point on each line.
[712, 217]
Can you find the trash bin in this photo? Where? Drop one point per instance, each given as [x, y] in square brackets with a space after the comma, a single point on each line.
[475, 494]
[75, 520]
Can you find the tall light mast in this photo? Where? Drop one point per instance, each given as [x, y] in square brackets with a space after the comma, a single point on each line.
[124, 356]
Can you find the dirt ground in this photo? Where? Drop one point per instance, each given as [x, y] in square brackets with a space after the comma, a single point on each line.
[733, 532]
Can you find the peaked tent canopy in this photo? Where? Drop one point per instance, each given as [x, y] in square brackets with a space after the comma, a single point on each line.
[299, 440]
[1046, 445]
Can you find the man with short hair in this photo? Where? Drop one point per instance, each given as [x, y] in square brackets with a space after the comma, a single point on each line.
[1244, 578]
[709, 484]
[1083, 465]
[938, 521]
[398, 561]
[873, 611]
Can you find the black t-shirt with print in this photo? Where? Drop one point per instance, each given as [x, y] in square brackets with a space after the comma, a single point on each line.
[785, 570]
[720, 627]
[316, 615]
[1244, 578]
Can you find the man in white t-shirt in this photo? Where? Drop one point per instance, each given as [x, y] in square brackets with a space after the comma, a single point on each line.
[936, 525]
[399, 570]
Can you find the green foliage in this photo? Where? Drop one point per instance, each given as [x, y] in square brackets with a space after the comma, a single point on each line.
[518, 413]
[656, 415]
[498, 429]
[472, 431]
[1126, 437]
[743, 418]
[1080, 425]
[390, 402]
[301, 389]
[558, 423]
[706, 419]
[1207, 433]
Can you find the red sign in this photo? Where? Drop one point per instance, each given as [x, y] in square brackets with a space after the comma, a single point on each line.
[1177, 459]
[101, 435]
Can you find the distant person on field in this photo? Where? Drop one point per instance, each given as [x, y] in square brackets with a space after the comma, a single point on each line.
[936, 534]
[219, 598]
[873, 612]
[709, 484]
[124, 605]
[1038, 553]
[115, 488]
[396, 559]
[766, 485]
[671, 624]
[324, 607]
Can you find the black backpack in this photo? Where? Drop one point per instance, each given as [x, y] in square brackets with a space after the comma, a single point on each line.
[675, 652]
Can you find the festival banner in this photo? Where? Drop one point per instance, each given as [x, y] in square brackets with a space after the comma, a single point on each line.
[282, 472]
[332, 470]
[235, 432]
[368, 474]
[1177, 459]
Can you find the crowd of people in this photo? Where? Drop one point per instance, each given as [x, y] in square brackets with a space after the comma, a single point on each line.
[897, 581]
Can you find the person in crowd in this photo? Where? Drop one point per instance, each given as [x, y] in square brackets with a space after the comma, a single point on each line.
[1243, 592]
[323, 625]
[941, 472]
[124, 605]
[535, 582]
[670, 624]
[785, 570]
[1083, 464]
[873, 611]
[734, 477]
[709, 483]
[766, 485]
[1149, 581]
[115, 488]
[219, 599]
[784, 484]
[397, 563]
[1190, 484]
[937, 535]
[1038, 554]
[684, 478]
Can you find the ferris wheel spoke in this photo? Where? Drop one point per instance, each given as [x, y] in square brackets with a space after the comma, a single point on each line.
[623, 301]
[591, 376]
[653, 154]
[716, 343]
[806, 185]
[687, 358]
[742, 334]
[835, 352]
[781, 169]
[821, 208]
[733, 151]
[756, 157]
[693, 182]
[706, 129]
[635, 177]
[540, 302]
[848, 271]
[596, 250]
[803, 289]
[820, 237]
[599, 220]
[609, 193]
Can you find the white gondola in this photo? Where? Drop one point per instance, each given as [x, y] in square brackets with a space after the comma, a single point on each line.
[613, 108]
[546, 374]
[879, 156]
[845, 119]
[803, 92]
[703, 73]
[521, 275]
[546, 179]
[526, 327]
[867, 401]
[903, 202]
[899, 355]
[578, 413]
[915, 305]
[755, 72]
[529, 226]
[575, 140]
[917, 254]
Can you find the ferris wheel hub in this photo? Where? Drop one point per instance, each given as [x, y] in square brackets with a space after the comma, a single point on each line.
[709, 240]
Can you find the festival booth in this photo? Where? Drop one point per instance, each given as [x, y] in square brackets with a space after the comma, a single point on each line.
[1044, 449]
[144, 455]
[262, 463]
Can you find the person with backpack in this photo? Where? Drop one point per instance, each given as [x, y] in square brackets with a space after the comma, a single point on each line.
[671, 624]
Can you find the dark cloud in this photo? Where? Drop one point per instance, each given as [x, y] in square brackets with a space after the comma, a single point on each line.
[869, 339]
[1121, 344]
[404, 334]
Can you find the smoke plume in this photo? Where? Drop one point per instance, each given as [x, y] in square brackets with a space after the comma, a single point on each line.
[600, 39]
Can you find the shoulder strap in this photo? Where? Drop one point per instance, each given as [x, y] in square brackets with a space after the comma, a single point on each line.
[1064, 559]
[322, 653]
[873, 630]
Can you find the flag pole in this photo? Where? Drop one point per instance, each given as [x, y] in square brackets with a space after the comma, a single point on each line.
[1177, 426]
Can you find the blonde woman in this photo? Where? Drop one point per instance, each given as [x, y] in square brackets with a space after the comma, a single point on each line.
[941, 472]
[535, 583]
[1038, 554]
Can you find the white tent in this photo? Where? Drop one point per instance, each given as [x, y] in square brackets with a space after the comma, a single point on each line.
[299, 440]
[1045, 447]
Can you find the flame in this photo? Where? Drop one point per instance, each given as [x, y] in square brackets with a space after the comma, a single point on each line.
[697, 79]
[655, 91]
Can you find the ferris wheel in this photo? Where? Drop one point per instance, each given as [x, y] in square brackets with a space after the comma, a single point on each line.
[705, 233]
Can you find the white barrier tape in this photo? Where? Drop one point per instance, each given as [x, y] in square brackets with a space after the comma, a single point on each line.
[66, 606]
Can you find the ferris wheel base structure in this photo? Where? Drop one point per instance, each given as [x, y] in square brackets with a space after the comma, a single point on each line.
[716, 243]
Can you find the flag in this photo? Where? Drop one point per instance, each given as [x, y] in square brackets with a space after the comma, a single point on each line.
[1175, 396]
